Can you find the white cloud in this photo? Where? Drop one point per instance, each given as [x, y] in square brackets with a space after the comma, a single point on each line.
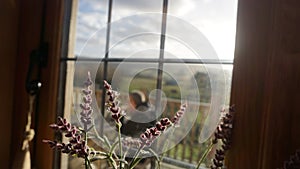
[214, 18]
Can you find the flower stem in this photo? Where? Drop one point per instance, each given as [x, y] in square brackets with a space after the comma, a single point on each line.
[87, 162]
[205, 155]
[165, 146]
[120, 143]
[135, 161]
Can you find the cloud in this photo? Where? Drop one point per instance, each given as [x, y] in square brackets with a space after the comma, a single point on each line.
[214, 18]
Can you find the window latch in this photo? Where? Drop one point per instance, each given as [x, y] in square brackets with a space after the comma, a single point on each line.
[38, 60]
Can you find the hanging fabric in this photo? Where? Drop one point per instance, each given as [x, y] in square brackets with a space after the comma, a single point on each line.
[23, 160]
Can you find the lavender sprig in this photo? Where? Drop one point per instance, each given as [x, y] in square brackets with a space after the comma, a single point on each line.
[86, 109]
[223, 133]
[152, 133]
[131, 142]
[76, 145]
[179, 114]
[224, 129]
[113, 104]
[116, 111]
[293, 162]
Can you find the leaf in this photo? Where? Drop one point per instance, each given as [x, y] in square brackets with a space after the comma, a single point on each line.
[155, 155]
[135, 162]
[123, 161]
[89, 128]
[107, 142]
[113, 147]
[99, 157]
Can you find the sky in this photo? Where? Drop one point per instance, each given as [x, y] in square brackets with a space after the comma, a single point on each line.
[195, 28]
[139, 36]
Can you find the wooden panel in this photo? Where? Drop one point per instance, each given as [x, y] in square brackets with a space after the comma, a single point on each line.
[8, 49]
[29, 38]
[266, 84]
[248, 83]
[50, 79]
[282, 88]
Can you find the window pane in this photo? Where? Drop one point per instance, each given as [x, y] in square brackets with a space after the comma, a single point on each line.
[138, 36]
[128, 76]
[80, 76]
[133, 31]
[125, 8]
[215, 19]
[136, 46]
[125, 77]
[177, 86]
[91, 17]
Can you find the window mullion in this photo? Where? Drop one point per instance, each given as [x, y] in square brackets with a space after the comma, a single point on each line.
[106, 60]
[161, 55]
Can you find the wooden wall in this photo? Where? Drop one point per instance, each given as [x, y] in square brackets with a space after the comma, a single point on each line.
[266, 84]
[20, 34]
[9, 10]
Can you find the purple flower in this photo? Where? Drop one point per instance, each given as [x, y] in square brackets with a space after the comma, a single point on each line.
[179, 114]
[162, 124]
[75, 146]
[131, 142]
[86, 109]
[113, 104]
[224, 129]
[67, 149]
[51, 143]
[223, 133]
[149, 136]
[62, 125]
[72, 133]
[293, 162]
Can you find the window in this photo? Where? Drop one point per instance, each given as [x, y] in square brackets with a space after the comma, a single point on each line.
[186, 55]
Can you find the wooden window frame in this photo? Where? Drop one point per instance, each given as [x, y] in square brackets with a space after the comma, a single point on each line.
[265, 86]
[30, 17]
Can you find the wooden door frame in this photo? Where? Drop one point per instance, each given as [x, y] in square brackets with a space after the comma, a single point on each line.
[265, 86]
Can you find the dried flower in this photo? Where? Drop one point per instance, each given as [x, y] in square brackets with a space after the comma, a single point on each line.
[179, 114]
[86, 109]
[62, 125]
[152, 133]
[148, 137]
[293, 162]
[113, 104]
[131, 142]
[75, 146]
[223, 133]
[224, 129]
[162, 124]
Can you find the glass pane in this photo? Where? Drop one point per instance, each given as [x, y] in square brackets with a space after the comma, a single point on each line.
[90, 28]
[181, 82]
[215, 19]
[135, 29]
[80, 76]
[206, 30]
[124, 8]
